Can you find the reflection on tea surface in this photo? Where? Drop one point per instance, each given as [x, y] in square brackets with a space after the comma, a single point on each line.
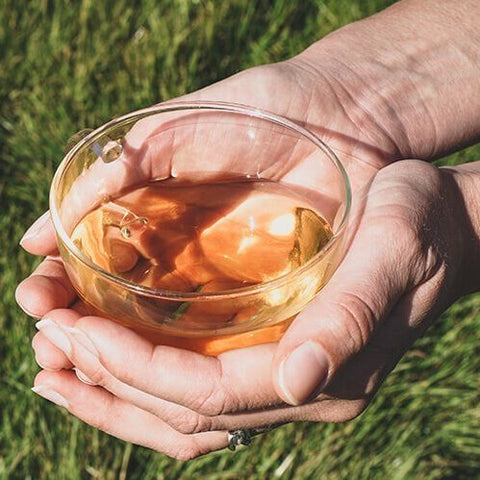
[207, 237]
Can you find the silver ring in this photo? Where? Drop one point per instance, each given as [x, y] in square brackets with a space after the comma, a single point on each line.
[244, 436]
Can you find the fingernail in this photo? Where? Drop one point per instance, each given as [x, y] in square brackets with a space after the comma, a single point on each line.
[35, 229]
[303, 372]
[83, 339]
[30, 314]
[54, 333]
[26, 310]
[83, 378]
[49, 393]
[35, 316]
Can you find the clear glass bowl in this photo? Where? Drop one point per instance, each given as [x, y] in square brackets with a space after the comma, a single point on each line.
[200, 141]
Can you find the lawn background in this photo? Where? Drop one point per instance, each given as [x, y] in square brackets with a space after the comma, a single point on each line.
[69, 65]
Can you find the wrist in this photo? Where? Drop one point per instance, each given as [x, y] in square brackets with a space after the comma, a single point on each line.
[408, 76]
[467, 183]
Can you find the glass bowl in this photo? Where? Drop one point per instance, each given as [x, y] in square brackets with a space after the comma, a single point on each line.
[200, 144]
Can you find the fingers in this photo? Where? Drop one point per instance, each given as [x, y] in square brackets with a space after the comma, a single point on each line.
[47, 355]
[351, 389]
[179, 417]
[237, 380]
[47, 288]
[104, 411]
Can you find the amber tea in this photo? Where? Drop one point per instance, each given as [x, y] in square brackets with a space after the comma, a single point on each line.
[204, 237]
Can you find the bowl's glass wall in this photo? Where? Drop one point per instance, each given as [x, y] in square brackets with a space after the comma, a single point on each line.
[202, 145]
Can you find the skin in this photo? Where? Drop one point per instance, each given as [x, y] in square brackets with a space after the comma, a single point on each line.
[413, 247]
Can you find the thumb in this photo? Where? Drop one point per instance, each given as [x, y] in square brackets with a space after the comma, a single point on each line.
[340, 321]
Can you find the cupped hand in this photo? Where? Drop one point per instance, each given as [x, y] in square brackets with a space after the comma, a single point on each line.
[403, 268]
[293, 89]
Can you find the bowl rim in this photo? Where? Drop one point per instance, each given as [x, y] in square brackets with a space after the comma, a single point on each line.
[228, 107]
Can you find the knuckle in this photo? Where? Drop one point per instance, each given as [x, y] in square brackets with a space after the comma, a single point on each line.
[212, 403]
[186, 453]
[97, 374]
[358, 321]
[219, 398]
[190, 422]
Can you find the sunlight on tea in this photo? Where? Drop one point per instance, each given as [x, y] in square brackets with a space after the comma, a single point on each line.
[187, 237]
[204, 238]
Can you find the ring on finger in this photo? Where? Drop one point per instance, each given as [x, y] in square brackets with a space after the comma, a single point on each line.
[244, 436]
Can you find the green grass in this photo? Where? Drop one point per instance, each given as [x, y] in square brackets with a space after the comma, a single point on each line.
[68, 65]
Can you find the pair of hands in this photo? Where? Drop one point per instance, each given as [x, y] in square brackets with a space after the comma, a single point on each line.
[403, 267]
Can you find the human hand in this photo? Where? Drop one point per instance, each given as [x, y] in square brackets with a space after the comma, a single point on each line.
[349, 107]
[49, 287]
[379, 300]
